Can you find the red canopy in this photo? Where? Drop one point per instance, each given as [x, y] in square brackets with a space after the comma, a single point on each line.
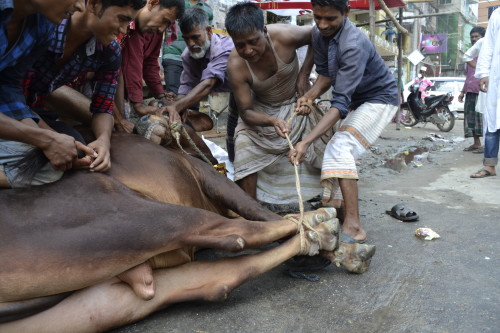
[300, 4]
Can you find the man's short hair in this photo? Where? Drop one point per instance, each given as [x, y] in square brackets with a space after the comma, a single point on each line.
[193, 18]
[179, 4]
[244, 17]
[340, 5]
[135, 4]
[479, 30]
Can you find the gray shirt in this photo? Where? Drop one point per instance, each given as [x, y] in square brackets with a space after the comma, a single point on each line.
[357, 72]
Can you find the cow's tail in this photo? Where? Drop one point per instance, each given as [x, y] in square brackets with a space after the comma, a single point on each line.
[29, 165]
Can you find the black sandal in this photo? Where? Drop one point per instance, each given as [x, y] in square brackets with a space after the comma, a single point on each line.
[402, 213]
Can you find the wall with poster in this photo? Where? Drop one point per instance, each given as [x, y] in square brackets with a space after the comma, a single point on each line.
[432, 44]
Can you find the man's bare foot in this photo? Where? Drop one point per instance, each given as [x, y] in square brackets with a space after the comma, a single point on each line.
[485, 171]
[357, 233]
[140, 279]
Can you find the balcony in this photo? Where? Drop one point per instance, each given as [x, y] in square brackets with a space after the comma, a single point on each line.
[384, 48]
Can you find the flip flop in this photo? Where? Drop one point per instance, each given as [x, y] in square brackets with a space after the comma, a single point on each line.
[479, 150]
[471, 148]
[301, 264]
[482, 173]
[345, 238]
[402, 213]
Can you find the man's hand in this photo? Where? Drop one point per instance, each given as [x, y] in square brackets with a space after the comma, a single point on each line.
[124, 126]
[144, 110]
[281, 126]
[461, 97]
[483, 84]
[297, 155]
[168, 98]
[303, 109]
[61, 151]
[173, 115]
[103, 160]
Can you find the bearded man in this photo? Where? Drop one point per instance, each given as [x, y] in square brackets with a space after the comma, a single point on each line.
[204, 61]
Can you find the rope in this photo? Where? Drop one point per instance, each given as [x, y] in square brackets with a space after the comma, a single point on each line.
[177, 130]
[301, 224]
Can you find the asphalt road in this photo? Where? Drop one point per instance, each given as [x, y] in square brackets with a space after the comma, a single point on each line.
[444, 285]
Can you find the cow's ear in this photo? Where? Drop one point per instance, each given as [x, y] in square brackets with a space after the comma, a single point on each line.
[199, 121]
[184, 115]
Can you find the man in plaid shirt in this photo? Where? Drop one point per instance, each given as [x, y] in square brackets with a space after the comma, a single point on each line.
[24, 31]
[86, 42]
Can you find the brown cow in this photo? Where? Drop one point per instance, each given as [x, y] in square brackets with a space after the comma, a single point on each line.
[66, 242]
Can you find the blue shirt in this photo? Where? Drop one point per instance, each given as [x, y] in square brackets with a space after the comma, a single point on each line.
[16, 60]
[92, 56]
[357, 72]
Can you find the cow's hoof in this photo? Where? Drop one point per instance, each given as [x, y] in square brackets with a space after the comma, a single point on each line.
[356, 258]
[315, 217]
[330, 238]
[314, 239]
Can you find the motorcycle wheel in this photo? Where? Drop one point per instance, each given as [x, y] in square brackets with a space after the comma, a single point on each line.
[407, 117]
[445, 113]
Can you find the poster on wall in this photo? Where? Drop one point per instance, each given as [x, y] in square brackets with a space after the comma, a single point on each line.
[434, 43]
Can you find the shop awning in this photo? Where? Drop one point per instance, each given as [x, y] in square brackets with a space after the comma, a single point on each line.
[300, 4]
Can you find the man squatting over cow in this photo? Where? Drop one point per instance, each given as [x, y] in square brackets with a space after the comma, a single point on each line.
[140, 48]
[364, 100]
[83, 42]
[26, 27]
[263, 70]
[204, 61]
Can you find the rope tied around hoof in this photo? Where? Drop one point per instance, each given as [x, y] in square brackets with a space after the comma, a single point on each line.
[302, 225]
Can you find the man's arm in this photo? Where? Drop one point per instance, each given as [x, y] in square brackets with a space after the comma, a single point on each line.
[60, 149]
[121, 124]
[485, 58]
[462, 94]
[297, 155]
[319, 88]
[106, 81]
[289, 36]
[303, 82]
[198, 93]
[131, 67]
[151, 68]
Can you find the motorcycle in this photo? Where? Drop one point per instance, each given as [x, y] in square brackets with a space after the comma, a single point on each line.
[435, 110]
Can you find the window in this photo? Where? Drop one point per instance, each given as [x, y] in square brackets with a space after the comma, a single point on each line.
[445, 2]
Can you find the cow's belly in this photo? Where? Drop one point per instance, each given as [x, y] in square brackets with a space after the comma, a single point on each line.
[170, 178]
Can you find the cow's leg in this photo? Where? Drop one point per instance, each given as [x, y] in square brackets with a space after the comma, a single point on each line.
[111, 303]
[256, 234]
[141, 280]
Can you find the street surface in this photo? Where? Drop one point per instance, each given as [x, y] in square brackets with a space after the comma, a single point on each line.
[444, 285]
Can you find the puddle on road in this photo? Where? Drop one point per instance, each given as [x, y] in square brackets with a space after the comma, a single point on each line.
[413, 155]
